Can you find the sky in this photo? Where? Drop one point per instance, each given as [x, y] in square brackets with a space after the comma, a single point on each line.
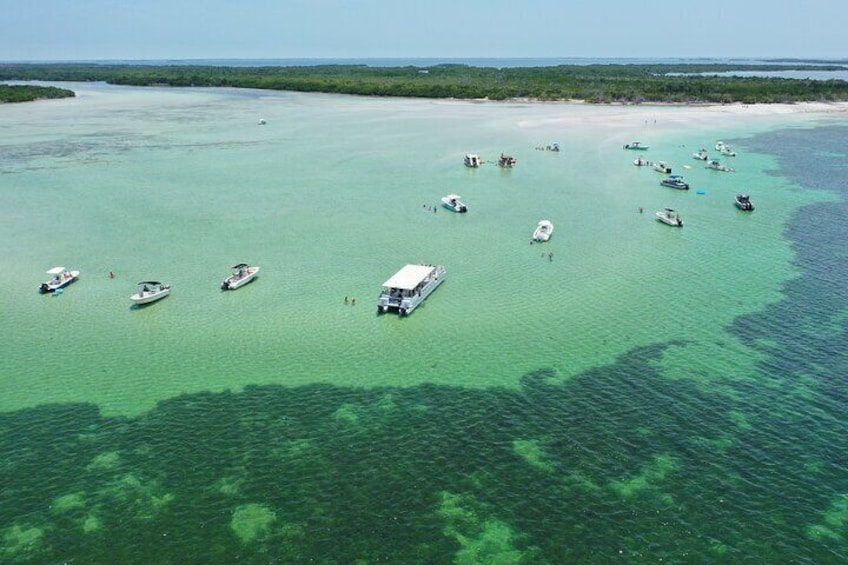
[67, 30]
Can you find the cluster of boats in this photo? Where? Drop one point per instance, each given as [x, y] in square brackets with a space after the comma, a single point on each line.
[669, 216]
[474, 161]
[148, 291]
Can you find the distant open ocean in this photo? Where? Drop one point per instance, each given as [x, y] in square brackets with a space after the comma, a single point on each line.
[498, 62]
[627, 392]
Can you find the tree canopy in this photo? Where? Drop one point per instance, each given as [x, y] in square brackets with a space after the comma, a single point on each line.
[598, 83]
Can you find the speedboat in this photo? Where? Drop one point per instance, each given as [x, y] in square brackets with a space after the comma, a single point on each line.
[701, 155]
[662, 167]
[472, 160]
[639, 162]
[408, 288]
[675, 181]
[242, 274]
[670, 217]
[150, 291]
[743, 202]
[717, 166]
[452, 203]
[725, 149]
[543, 231]
[59, 278]
[507, 161]
[636, 146]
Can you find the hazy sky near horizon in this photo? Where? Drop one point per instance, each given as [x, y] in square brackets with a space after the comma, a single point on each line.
[267, 29]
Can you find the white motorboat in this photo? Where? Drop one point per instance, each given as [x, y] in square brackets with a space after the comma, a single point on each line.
[472, 160]
[507, 161]
[639, 162]
[675, 181]
[743, 202]
[242, 274]
[453, 203]
[543, 231]
[60, 277]
[150, 291]
[725, 149]
[670, 217]
[701, 155]
[662, 167]
[408, 288]
[636, 146]
[717, 166]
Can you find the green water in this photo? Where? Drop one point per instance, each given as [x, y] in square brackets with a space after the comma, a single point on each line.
[626, 391]
[330, 198]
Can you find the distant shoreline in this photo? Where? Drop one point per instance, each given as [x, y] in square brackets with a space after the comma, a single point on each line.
[591, 83]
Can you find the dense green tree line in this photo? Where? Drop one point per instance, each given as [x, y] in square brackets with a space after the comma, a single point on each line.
[27, 93]
[683, 83]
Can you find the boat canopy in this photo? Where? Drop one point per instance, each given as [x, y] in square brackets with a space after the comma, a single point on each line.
[240, 266]
[56, 271]
[409, 277]
[150, 282]
[452, 196]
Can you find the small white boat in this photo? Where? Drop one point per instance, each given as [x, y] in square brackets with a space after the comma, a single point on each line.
[636, 146]
[743, 202]
[543, 231]
[60, 278]
[670, 217]
[507, 161]
[408, 288]
[150, 291]
[701, 155]
[262, 121]
[717, 166]
[472, 160]
[639, 162]
[675, 181]
[242, 274]
[662, 167]
[453, 203]
[725, 149]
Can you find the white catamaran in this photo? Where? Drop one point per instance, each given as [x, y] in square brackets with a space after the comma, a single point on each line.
[409, 287]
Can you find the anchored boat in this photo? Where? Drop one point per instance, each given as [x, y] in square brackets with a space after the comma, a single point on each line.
[242, 274]
[409, 287]
[150, 291]
[453, 203]
[60, 277]
[472, 160]
[675, 181]
[670, 217]
[743, 202]
[543, 231]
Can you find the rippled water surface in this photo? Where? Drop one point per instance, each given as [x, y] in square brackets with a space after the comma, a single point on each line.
[626, 390]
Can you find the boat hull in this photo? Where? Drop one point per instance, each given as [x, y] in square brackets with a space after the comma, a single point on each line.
[149, 297]
[673, 222]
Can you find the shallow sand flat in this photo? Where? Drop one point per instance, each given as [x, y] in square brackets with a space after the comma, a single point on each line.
[331, 197]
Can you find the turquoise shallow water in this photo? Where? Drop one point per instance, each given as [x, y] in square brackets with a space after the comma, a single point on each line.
[641, 392]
